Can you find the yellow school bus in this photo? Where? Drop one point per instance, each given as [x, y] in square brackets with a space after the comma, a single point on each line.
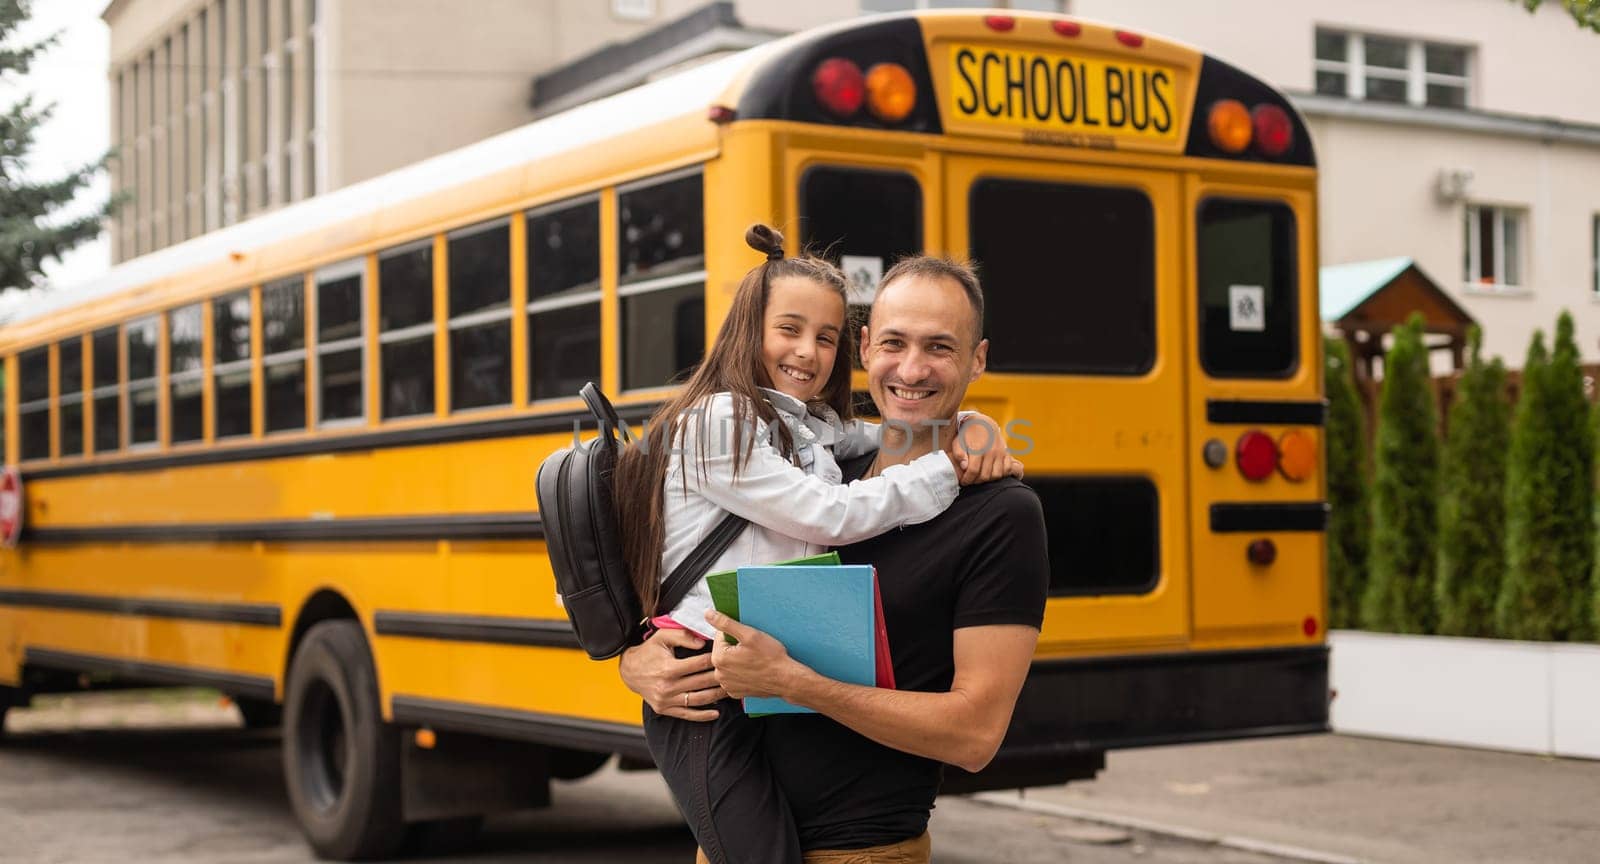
[293, 459]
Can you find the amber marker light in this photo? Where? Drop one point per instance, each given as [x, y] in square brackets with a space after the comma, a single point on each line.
[891, 94]
[426, 739]
[1229, 125]
[1297, 455]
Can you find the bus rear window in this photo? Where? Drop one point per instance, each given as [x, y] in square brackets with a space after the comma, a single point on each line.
[1069, 276]
[1103, 533]
[1245, 253]
[862, 220]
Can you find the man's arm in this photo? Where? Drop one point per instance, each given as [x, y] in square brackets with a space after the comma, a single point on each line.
[962, 727]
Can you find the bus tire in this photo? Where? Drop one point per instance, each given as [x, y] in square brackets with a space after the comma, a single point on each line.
[341, 761]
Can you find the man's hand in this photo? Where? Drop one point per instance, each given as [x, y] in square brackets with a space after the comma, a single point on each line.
[758, 666]
[979, 451]
[672, 687]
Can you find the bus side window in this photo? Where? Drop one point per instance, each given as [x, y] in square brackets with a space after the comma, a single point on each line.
[341, 343]
[107, 401]
[283, 354]
[33, 403]
[69, 394]
[563, 298]
[230, 365]
[405, 329]
[661, 279]
[143, 399]
[186, 371]
[1069, 276]
[480, 315]
[1245, 255]
[863, 221]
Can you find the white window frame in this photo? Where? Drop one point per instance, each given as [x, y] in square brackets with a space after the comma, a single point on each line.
[64, 399]
[109, 390]
[412, 333]
[1416, 75]
[1594, 250]
[354, 267]
[560, 301]
[1501, 283]
[232, 367]
[659, 283]
[196, 376]
[153, 384]
[283, 358]
[35, 405]
[469, 320]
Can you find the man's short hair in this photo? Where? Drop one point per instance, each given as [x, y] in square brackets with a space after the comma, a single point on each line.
[963, 273]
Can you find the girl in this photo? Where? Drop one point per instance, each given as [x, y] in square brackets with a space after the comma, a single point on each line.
[755, 432]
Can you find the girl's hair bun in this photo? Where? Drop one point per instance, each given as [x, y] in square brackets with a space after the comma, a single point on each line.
[766, 240]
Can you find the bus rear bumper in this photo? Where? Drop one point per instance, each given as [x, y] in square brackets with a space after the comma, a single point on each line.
[1072, 711]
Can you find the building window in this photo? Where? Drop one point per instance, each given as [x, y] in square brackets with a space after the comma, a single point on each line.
[405, 329]
[1390, 69]
[563, 298]
[283, 353]
[69, 395]
[661, 281]
[230, 364]
[341, 343]
[33, 396]
[1494, 246]
[141, 338]
[107, 401]
[480, 316]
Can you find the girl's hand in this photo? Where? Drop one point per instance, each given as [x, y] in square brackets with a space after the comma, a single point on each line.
[979, 450]
[672, 687]
[758, 666]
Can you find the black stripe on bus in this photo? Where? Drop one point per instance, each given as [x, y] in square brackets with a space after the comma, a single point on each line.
[580, 734]
[1285, 413]
[492, 629]
[455, 526]
[257, 614]
[233, 683]
[1231, 518]
[510, 427]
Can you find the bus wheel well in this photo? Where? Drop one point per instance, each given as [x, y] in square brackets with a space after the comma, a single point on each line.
[324, 605]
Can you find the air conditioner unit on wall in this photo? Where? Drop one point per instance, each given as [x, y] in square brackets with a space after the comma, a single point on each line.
[1453, 185]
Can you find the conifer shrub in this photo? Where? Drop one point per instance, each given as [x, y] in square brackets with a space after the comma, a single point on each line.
[1349, 519]
[1398, 597]
[1548, 591]
[1472, 500]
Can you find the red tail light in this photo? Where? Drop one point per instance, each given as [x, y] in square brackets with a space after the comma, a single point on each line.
[1274, 134]
[1309, 626]
[1000, 23]
[1257, 455]
[839, 86]
[1132, 40]
[1067, 28]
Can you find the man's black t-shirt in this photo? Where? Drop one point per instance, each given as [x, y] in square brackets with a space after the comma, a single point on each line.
[982, 562]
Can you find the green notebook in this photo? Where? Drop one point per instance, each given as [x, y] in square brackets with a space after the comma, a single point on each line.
[725, 585]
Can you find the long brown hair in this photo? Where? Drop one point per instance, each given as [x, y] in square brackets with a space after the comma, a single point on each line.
[734, 366]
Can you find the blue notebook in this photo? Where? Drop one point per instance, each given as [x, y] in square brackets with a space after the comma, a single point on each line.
[823, 615]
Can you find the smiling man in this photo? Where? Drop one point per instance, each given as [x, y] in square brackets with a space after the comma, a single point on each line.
[963, 597]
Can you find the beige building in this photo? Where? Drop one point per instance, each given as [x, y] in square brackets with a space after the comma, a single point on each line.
[1458, 133]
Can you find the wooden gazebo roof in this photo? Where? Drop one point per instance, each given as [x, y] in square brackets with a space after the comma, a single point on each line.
[1367, 299]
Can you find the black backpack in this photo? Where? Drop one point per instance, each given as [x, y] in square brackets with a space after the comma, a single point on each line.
[584, 541]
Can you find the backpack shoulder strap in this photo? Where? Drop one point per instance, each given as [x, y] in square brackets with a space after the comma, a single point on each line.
[700, 560]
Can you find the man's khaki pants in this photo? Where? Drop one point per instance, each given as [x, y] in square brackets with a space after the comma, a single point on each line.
[917, 850]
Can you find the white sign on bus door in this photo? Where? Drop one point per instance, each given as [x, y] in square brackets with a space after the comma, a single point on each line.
[1247, 308]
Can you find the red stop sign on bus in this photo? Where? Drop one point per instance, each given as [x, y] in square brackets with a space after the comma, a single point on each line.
[10, 506]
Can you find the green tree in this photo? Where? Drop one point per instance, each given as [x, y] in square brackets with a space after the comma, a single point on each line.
[1472, 503]
[1349, 522]
[31, 230]
[1547, 593]
[1399, 593]
[1585, 12]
